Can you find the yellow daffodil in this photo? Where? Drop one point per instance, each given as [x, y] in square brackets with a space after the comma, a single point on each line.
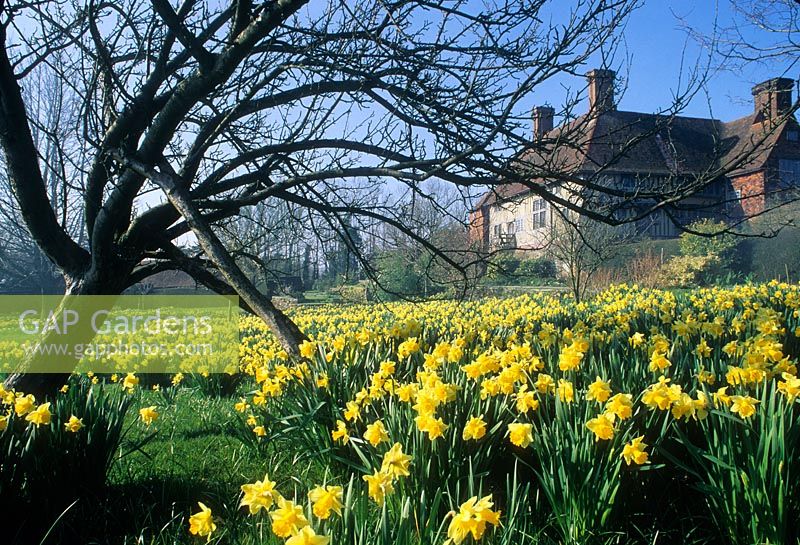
[602, 427]
[74, 424]
[376, 433]
[599, 391]
[634, 452]
[474, 429]
[520, 434]
[287, 519]
[259, 495]
[148, 414]
[202, 523]
[744, 406]
[395, 462]
[340, 433]
[471, 520]
[379, 486]
[40, 415]
[326, 499]
[307, 536]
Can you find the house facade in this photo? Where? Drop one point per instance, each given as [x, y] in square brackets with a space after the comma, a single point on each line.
[757, 158]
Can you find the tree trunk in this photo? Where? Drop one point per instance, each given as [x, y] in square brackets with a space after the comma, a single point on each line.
[28, 377]
[285, 330]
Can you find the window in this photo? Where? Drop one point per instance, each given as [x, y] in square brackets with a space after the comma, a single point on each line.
[510, 228]
[497, 231]
[518, 225]
[539, 213]
[789, 172]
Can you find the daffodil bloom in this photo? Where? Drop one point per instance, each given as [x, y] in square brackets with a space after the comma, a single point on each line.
[148, 414]
[130, 382]
[565, 391]
[307, 536]
[620, 405]
[634, 451]
[474, 429]
[259, 495]
[74, 424]
[661, 395]
[526, 401]
[340, 433]
[395, 462]
[721, 397]
[408, 347]
[287, 519]
[307, 349]
[520, 435]
[352, 412]
[406, 392]
[24, 404]
[326, 499]
[471, 519]
[599, 391]
[434, 427]
[379, 486]
[570, 358]
[376, 433]
[602, 427]
[202, 523]
[3, 422]
[789, 387]
[658, 362]
[40, 416]
[744, 406]
[260, 431]
[683, 407]
[706, 377]
[545, 383]
[700, 406]
[702, 350]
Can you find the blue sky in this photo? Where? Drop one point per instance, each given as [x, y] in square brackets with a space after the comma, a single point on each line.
[656, 42]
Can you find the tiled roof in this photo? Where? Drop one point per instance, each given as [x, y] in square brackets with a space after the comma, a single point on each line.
[630, 142]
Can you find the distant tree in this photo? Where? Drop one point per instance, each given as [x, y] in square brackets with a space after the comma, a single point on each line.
[581, 246]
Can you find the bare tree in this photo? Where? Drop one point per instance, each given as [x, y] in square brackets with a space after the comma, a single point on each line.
[581, 246]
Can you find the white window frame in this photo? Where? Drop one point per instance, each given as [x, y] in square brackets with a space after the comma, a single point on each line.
[539, 213]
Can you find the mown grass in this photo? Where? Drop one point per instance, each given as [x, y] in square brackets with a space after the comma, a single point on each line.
[191, 453]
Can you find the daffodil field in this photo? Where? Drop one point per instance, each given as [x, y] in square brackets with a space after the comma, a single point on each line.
[640, 416]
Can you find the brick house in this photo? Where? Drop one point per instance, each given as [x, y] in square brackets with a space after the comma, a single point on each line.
[758, 156]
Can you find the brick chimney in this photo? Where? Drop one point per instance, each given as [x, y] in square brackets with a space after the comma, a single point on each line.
[772, 99]
[542, 121]
[601, 91]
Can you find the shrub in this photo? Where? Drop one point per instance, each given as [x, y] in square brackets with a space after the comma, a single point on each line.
[687, 271]
[722, 245]
[537, 268]
[777, 257]
[502, 266]
[397, 275]
[358, 293]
